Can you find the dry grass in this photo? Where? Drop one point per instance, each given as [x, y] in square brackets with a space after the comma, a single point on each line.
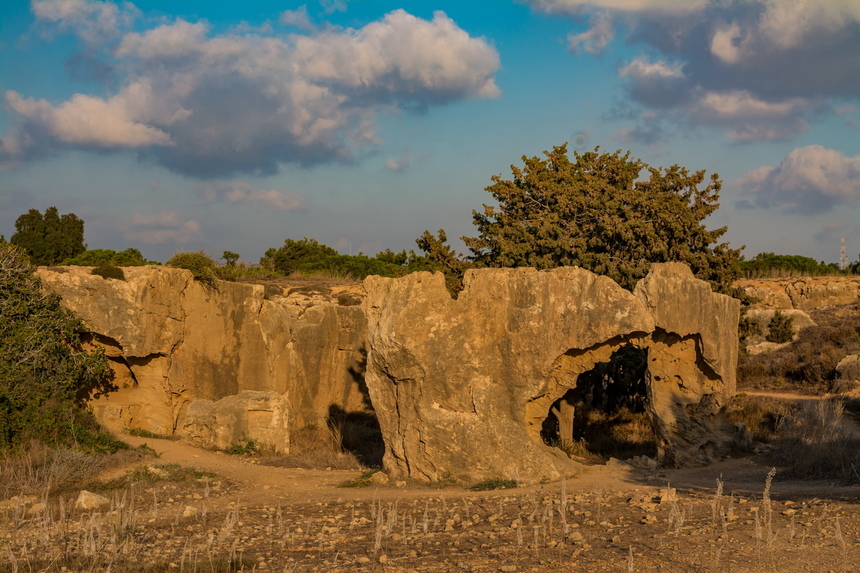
[158, 528]
[809, 363]
[44, 469]
[817, 443]
[315, 448]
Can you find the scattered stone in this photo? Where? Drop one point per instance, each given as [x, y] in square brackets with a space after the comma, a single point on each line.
[89, 501]
[379, 478]
[36, 508]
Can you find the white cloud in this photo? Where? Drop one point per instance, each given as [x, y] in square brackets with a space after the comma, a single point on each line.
[298, 18]
[238, 102]
[744, 117]
[162, 227]
[239, 192]
[810, 179]
[94, 22]
[774, 51]
[87, 121]
[576, 7]
[600, 33]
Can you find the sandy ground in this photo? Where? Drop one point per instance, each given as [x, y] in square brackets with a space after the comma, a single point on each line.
[608, 518]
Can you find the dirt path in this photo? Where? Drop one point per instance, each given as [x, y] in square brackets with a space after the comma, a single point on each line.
[261, 484]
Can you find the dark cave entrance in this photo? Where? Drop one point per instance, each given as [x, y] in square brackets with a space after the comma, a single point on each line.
[604, 415]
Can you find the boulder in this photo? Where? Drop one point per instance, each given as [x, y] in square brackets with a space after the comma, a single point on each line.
[89, 501]
[848, 368]
[259, 416]
[758, 344]
[461, 387]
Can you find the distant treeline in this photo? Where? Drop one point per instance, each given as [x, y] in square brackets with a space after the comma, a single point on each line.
[770, 265]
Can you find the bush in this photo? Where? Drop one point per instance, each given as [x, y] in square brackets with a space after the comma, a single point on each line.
[201, 265]
[44, 370]
[99, 257]
[780, 328]
[109, 272]
[308, 256]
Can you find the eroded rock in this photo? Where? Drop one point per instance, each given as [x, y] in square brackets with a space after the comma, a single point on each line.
[804, 293]
[462, 386]
[172, 340]
[259, 416]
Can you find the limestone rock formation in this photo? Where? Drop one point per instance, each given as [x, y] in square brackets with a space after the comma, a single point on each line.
[173, 340]
[259, 416]
[806, 293]
[757, 343]
[461, 387]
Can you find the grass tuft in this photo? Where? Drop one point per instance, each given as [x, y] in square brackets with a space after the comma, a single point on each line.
[493, 484]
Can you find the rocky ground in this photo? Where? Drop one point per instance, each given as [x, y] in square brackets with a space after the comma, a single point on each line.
[247, 516]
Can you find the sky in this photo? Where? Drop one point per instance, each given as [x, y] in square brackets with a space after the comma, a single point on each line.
[179, 126]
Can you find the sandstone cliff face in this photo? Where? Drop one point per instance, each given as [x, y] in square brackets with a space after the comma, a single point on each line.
[172, 341]
[462, 386]
[802, 293]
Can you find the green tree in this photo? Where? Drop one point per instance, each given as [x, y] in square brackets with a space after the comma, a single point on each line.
[230, 258]
[598, 212]
[44, 369]
[50, 238]
[101, 257]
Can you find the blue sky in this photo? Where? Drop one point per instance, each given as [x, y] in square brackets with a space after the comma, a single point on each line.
[191, 125]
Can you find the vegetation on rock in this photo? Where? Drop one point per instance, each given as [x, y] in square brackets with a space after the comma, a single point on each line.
[201, 265]
[597, 212]
[45, 372]
[50, 238]
[780, 329]
[772, 265]
[109, 272]
[307, 256]
[98, 257]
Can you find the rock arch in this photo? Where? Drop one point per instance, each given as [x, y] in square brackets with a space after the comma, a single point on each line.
[460, 385]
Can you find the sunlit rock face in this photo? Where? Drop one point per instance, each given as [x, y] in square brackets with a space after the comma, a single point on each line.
[461, 387]
[173, 340]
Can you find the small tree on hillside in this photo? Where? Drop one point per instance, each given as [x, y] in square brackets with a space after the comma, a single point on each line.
[45, 371]
[51, 238]
[598, 213]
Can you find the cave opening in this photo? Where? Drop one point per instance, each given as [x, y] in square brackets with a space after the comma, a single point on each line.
[604, 415]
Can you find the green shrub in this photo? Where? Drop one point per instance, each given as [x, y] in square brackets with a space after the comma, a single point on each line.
[245, 447]
[364, 480]
[44, 370]
[780, 328]
[99, 257]
[201, 265]
[495, 483]
[109, 272]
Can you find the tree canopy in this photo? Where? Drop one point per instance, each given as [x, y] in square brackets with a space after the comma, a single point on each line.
[310, 256]
[130, 257]
[44, 369]
[598, 212]
[51, 238]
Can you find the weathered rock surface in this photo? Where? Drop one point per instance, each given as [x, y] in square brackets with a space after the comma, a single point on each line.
[259, 416]
[89, 501]
[806, 293]
[172, 340]
[757, 343]
[462, 386]
[848, 368]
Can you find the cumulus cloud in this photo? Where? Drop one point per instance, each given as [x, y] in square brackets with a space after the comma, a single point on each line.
[298, 18]
[163, 227]
[93, 22]
[764, 56]
[239, 192]
[810, 179]
[245, 103]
